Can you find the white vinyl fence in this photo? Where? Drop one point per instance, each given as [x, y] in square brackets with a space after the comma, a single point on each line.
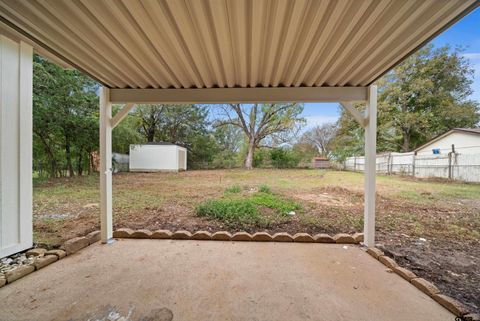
[455, 166]
[120, 162]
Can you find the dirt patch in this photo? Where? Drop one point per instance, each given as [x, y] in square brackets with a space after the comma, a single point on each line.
[452, 266]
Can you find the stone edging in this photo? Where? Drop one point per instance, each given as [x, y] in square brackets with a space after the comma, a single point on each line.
[44, 257]
[341, 238]
[423, 285]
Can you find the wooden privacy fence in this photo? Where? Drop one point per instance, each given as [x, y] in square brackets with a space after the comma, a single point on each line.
[455, 166]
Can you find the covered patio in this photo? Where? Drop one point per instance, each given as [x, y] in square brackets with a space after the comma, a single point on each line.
[209, 52]
[214, 280]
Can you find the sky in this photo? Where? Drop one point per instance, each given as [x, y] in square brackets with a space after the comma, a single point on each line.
[465, 33]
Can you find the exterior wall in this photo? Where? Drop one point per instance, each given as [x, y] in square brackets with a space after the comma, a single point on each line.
[151, 158]
[16, 232]
[465, 143]
[182, 158]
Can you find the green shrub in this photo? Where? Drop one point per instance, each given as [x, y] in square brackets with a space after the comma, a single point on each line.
[235, 213]
[234, 189]
[225, 160]
[264, 188]
[283, 158]
[260, 157]
[281, 206]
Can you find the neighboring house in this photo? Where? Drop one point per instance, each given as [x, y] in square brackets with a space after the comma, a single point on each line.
[464, 141]
[156, 157]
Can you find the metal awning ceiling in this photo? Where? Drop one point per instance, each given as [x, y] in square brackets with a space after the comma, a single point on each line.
[237, 43]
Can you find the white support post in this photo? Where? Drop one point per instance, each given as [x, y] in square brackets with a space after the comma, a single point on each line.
[106, 166]
[370, 166]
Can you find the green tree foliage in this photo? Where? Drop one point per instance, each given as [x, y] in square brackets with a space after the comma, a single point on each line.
[268, 124]
[171, 123]
[424, 96]
[185, 125]
[125, 134]
[65, 119]
[229, 142]
[283, 158]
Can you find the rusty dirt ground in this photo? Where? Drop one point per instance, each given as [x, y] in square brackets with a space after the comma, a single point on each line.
[431, 227]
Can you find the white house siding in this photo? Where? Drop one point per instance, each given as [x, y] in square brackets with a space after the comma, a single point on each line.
[465, 143]
[15, 146]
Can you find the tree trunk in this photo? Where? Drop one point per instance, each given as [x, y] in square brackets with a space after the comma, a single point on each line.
[406, 140]
[90, 163]
[51, 157]
[250, 153]
[68, 154]
[151, 134]
[80, 163]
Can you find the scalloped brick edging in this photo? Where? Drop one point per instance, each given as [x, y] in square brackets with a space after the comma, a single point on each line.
[282, 237]
[340, 238]
[241, 236]
[44, 257]
[423, 285]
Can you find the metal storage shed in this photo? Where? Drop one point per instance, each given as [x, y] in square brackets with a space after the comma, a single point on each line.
[212, 51]
[157, 157]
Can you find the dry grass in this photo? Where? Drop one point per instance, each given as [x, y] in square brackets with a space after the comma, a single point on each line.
[331, 200]
[446, 214]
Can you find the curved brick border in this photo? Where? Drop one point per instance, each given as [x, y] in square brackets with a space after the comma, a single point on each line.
[340, 238]
[423, 285]
[45, 257]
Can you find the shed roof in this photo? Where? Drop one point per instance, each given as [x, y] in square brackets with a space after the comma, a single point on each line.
[221, 43]
[158, 144]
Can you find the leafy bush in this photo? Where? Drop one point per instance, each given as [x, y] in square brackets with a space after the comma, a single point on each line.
[264, 188]
[281, 206]
[283, 158]
[246, 210]
[234, 189]
[235, 213]
[224, 160]
[260, 158]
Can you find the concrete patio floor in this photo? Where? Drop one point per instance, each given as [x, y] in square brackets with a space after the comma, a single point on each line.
[210, 280]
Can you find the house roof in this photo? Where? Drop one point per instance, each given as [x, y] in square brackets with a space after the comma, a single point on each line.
[468, 130]
[231, 44]
[475, 131]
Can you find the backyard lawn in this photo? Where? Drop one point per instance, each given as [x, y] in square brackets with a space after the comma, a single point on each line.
[431, 227]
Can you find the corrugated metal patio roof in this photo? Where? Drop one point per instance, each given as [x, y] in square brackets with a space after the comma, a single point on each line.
[242, 43]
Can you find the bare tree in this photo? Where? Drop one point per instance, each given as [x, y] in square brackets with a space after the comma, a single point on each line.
[321, 136]
[150, 117]
[274, 123]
